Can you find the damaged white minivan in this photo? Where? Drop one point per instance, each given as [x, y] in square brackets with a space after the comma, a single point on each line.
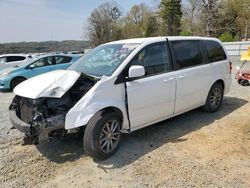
[123, 86]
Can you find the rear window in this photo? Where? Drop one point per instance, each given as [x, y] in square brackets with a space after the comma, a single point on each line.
[187, 53]
[14, 58]
[62, 59]
[215, 51]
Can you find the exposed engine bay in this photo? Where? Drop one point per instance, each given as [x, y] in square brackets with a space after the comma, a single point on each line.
[46, 116]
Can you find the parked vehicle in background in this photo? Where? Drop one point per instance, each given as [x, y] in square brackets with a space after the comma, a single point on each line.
[123, 86]
[11, 77]
[11, 60]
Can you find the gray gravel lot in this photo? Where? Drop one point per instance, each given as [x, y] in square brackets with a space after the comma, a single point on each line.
[195, 149]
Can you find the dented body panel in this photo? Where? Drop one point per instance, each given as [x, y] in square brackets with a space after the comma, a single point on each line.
[41, 111]
[101, 96]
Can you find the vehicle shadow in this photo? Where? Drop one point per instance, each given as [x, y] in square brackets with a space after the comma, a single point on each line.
[143, 141]
[61, 151]
[5, 91]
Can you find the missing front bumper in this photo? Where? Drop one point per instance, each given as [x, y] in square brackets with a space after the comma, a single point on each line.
[19, 124]
[40, 130]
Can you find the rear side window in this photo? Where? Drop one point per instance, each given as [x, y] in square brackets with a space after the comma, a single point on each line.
[14, 58]
[215, 51]
[187, 53]
[62, 59]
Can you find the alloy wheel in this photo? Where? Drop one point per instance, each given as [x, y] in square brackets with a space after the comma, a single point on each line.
[110, 136]
[215, 97]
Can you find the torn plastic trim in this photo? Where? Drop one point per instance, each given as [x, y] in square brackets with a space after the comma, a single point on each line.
[40, 117]
[19, 124]
[44, 128]
[38, 129]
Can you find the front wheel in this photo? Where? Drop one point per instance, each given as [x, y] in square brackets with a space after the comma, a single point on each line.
[214, 98]
[16, 82]
[102, 135]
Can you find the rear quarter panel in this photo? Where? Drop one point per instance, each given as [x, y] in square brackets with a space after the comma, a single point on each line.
[223, 68]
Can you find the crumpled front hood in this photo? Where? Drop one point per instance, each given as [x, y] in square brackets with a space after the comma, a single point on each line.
[53, 84]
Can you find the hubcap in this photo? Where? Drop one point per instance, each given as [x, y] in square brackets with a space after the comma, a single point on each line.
[110, 136]
[215, 97]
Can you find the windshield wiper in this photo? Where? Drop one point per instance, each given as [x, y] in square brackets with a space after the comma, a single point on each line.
[91, 77]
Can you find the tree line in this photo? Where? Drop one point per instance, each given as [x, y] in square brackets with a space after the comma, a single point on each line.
[44, 47]
[228, 20]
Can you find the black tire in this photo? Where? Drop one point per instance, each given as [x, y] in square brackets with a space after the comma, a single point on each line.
[15, 82]
[214, 98]
[96, 132]
[244, 83]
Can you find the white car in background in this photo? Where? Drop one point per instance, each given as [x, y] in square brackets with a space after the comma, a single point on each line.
[11, 60]
[145, 81]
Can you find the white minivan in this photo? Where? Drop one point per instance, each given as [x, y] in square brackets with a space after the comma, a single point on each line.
[123, 86]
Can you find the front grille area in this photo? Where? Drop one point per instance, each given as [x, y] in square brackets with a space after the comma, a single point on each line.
[26, 110]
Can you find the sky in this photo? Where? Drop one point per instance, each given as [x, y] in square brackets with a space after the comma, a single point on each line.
[43, 20]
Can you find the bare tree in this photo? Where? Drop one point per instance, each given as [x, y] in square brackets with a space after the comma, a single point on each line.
[138, 13]
[244, 15]
[138, 22]
[103, 24]
[190, 12]
[210, 9]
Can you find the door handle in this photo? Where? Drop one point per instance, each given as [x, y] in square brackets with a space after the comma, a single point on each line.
[167, 80]
[181, 77]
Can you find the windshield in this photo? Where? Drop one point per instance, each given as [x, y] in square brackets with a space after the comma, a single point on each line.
[103, 60]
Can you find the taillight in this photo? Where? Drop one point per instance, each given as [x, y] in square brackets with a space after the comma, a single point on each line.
[230, 67]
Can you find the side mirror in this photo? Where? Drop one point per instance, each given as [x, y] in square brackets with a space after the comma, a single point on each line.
[136, 71]
[31, 66]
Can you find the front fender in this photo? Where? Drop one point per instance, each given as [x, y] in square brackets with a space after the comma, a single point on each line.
[80, 115]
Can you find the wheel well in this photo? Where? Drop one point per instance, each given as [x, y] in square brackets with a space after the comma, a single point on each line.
[16, 78]
[221, 82]
[114, 109]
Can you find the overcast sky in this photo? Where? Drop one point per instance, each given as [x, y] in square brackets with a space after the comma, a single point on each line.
[42, 20]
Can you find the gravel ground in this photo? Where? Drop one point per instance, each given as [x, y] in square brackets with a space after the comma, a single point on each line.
[195, 149]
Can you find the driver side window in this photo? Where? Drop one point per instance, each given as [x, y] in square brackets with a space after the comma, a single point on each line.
[155, 59]
[43, 62]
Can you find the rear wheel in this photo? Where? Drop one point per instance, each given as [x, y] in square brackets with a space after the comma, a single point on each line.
[214, 98]
[16, 82]
[239, 81]
[102, 135]
[244, 83]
